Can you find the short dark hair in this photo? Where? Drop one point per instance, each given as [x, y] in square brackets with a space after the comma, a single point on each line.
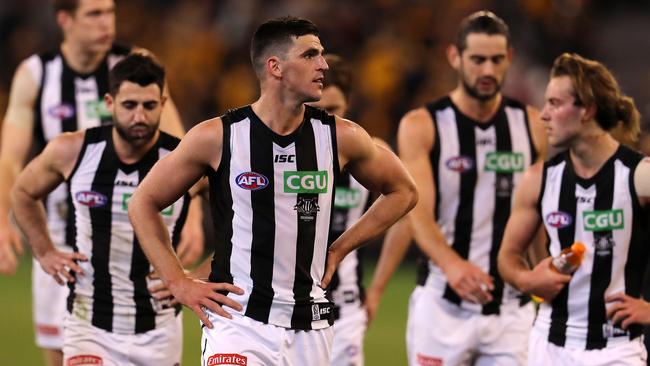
[483, 21]
[136, 68]
[338, 74]
[276, 33]
[65, 5]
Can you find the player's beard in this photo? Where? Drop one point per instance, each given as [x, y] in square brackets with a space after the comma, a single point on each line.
[136, 138]
[473, 90]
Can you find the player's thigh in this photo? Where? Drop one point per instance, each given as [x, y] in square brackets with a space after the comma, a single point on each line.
[504, 338]
[308, 347]
[49, 307]
[160, 346]
[349, 330]
[88, 345]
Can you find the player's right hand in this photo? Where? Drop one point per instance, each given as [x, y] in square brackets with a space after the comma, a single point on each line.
[60, 264]
[199, 295]
[543, 281]
[469, 282]
[371, 304]
[10, 244]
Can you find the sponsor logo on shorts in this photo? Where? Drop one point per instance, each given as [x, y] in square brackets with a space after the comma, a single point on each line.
[61, 111]
[424, 360]
[227, 359]
[460, 164]
[84, 360]
[504, 162]
[47, 330]
[305, 181]
[559, 219]
[91, 199]
[603, 220]
[252, 181]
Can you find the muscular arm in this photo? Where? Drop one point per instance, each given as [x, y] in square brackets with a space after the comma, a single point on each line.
[40, 177]
[17, 135]
[379, 170]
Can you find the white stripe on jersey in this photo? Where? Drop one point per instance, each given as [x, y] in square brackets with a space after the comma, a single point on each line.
[51, 108]
[449, 196]
[87, 99]
[518, 128]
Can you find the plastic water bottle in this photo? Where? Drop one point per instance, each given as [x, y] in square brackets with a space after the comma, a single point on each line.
[569, 259]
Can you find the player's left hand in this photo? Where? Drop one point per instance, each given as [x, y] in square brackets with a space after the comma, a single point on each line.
[158, 290]
[627, 310]
[333, 260]
[191, 244]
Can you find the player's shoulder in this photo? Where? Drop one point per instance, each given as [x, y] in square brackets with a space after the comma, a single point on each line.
[66, 145]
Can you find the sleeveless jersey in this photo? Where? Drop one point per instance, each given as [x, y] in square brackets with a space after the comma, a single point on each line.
[112, 294]
[271, 200]
[475, 169]
[604, 213]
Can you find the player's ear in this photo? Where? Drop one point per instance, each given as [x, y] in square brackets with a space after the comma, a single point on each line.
[110, 102]
[453, 56]
[274, 67]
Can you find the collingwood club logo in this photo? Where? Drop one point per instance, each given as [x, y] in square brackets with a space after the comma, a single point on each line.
[307, 208]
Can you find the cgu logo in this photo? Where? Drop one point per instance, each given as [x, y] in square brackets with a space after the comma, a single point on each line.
[305, 182]
[603, 220]
[347, 198]
[251, 181]
[460, 164]
[91, 199]
[227, 359]
[504, 162]
[559, 219]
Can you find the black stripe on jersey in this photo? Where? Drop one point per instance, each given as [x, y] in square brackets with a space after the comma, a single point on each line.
[566, 235]
[306, 160]
[263, 240]
[464, 217]
[502, 196]
[68, 97]
[101, 78]
[222, 209]
[601, 273]
[434, 156]
[101, 222]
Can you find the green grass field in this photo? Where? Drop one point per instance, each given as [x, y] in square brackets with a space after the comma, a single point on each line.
[384, 340]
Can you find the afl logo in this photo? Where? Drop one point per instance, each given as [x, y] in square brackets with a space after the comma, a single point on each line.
[61, 111]
[91, 199]
[460, 164]
[559, 219]
[252, 181]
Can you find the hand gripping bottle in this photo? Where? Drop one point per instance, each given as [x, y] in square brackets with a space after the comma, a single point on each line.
[569, 259]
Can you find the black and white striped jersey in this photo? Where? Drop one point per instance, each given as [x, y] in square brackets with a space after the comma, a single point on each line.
[67, 101]
[112, 294]
[475, 168]
[350, 202]
[604, 213]
[272, 199]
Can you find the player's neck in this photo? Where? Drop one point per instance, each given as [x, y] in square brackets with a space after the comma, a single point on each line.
[478, 110]
[281, 115]
[129, 153]
[80, 60]
[590, 152]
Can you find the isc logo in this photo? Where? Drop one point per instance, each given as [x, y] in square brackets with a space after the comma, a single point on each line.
[251, 181]
[284, 158]
[91, 199]
[460, 164]
[603, 220]
[504, 162]
[559, 219]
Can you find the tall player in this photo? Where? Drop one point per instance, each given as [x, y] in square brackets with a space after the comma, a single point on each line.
[272, 168]
[466, 152]
[62, 91]
[113, 319]
[597, 192]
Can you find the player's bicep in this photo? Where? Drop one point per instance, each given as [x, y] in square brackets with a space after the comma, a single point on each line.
[17, 129]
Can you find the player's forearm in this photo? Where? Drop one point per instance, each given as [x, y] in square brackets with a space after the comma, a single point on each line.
[396, 243]
[513, 268]
[431, 241]
[8, 174]
[202, 272]
[31, 218]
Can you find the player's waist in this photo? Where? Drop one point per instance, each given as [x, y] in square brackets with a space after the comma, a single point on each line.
[572, 335]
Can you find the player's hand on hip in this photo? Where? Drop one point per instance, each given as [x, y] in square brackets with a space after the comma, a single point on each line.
[626, 310]
[469, 282]
[201, 296]
[10, 244]
[60, 265]
[332, 262]
[543, 281]
[191, 244]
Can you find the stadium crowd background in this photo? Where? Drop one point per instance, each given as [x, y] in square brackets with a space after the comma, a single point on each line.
[396, 47]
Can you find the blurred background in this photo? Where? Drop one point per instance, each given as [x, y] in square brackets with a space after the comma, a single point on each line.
[397, 52]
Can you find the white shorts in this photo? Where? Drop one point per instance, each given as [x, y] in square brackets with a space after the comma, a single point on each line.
[441, 333]
[349, 329]
[89, 345]
[245, 341]
[49, 307]
[543, 353]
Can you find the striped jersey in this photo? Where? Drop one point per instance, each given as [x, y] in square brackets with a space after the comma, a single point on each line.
[67, 101]
[475, 168]
[604, 213]
[271, 200]
[350, 202]
[112, 294]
